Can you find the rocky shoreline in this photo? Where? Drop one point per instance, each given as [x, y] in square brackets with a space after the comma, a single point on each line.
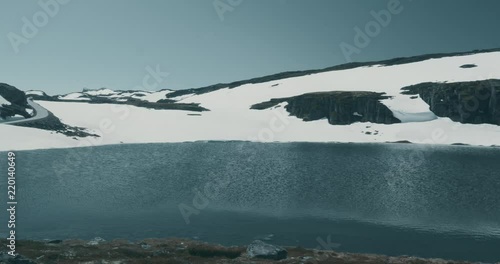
[99, 251]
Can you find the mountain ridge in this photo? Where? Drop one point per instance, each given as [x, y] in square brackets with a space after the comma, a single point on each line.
[345, 66]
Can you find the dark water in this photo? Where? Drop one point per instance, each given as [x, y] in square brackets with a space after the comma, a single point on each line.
[388, 199]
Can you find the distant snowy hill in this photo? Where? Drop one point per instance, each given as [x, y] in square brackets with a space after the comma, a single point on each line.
[88, 95]
[431, 99]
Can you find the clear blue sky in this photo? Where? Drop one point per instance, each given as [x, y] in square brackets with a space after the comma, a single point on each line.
[109, 43]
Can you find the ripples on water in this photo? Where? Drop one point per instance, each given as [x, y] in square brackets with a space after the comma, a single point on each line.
[396, 191]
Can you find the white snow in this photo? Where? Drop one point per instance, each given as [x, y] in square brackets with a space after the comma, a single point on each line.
[156, 96]
[23, 138]
[407, 109]
[102, 91]
[4, 101]
[230, 117]
[376, 78]
[35, 92]
[30, 111]
[74, 96]
[182, 97]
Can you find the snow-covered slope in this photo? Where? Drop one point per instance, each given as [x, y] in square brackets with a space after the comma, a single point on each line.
[230, 116]
[376, 78]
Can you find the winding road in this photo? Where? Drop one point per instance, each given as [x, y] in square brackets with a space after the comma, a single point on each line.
[39, 113]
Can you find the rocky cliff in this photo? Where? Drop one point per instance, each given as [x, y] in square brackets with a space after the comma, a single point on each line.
[466, 102]
[17, 99]
[340, 108]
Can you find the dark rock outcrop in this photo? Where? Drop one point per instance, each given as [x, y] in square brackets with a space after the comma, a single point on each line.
[12, 94]
[468, 66]
[12, 110]
[52, 123]
[162, 104]
[41, 97]
[340, 108]
[466, 102]
[17, 99]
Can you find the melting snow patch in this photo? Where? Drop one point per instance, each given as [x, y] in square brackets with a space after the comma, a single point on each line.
[409, 109]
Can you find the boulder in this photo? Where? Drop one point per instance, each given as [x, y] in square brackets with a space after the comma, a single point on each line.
[259, 249]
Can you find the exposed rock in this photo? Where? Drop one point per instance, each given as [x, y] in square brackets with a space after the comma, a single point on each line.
[340, 108]
[165, 101]
[18, 259]
[42, 97]
[53, 123]
[468, 66]
[166, 251]
[12, 110]
[13, 95]
[402, 142]
[18, 101]
[57, 241]
[162, 104]
[466, 102]
[259, 249]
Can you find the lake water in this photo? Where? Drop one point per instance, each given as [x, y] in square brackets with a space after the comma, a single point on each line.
[392, 199]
